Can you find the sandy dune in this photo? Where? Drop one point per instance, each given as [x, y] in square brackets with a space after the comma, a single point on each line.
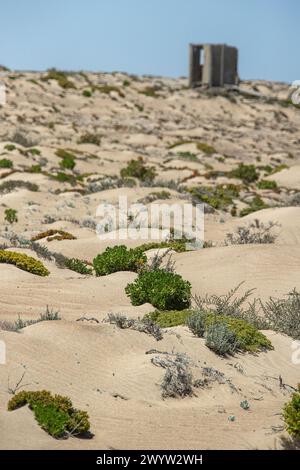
[193, 141]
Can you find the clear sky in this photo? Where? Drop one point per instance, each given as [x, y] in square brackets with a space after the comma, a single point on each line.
[149, 36]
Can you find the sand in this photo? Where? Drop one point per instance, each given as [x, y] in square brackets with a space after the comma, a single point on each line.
[103, 369]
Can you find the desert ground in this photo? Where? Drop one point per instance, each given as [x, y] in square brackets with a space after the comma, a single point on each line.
[194, 139]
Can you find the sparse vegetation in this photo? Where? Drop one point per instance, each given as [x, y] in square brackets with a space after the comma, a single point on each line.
[54, 413]
[90, 138]
[208, 149]
[19, 324]
[218, 197]
[246, 173]
[146, 325]
[61, 78]
[283, 315]
[255, 205]
[9, 186]
[255, 232]
[138, 169]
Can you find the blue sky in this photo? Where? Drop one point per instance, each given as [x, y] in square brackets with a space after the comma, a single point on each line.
[149, 36]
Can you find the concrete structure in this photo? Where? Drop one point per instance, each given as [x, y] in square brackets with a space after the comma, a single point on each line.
[213, 65]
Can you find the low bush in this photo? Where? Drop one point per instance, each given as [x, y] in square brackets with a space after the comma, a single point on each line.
[61, 78]
[164, 290]
[188, 156]
[34, 169]
[177, 382]
[10, 147]
[178, 245]
[53, 234]
[283, 315]
[24, 262]
[138, 169]
[34, 151]
[255, 232]
[87, 93]
[67, 159]
[107, 89]
[168, 319]
[291, 415]
[267, 184]
[20, 138]
[54, 413]
[220, 339]
[255, 205]
[218, 197]
[146, 325]
[208, 149]
[196, 322]
[246, 173]
[5, 163]
[78, 266]
[9, 186]
[19, 324]
[119, 258]
[10, 215]
[90, 138]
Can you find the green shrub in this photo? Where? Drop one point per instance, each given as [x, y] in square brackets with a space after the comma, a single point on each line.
[208, 149]
[164, 290]
[107, 89]
[68, 159]
[169, 318]
[53, 234]
[60, 77]
[87, 93]
[5, 163]
[11, 216]
[78, 266]
[246, 173]
[9, 186]
[119, 258]
[24, 262]
[54, 413]
[126, 83]
[220, 339]
[218, 197]
[34, 151]
[90, 138]
[149, 91]
[10, 147]
[178, 245]
[64, 178]
[291, 414]
[191, 157]
[255, 205]
[249, 338]
[34, 169]
[138, 169]
[266, 184]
